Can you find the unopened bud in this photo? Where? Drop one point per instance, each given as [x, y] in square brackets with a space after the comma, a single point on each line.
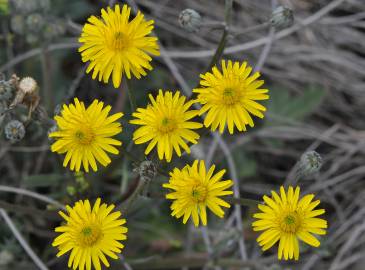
[71, 190]
[17, 24]
[44, 4]
[310, 163]
[35, 22]
[190, 20]
[282, 17]
[28, 85]
[24, 6]
[53, 30]
[14, 131]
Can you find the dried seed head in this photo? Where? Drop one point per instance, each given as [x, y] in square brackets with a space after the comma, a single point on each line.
[310, 163]
[282, 17]
[147, 170]
[190, 20]
[14, 131]
[28, 85]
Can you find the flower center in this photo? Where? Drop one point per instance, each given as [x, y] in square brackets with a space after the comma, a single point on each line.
[199, 193]
[89, 235]
[290, 223]
[167, 125]
[229, 96]
[118, 41]
[84, 135]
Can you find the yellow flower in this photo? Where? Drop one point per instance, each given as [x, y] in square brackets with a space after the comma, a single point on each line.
[90, 234]
[194, 189]
[287, 219]
[165, 123]
[84, 134]
[230, 97]
[112, 43]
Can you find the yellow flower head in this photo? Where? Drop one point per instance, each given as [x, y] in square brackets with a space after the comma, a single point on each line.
[194, 189]
[84, 134]
[90, 234]
[165, 123]
[112, 43]
[230, 96]
[287, 219]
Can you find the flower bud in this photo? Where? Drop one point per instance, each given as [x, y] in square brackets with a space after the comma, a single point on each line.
[310, 163]
[14, 131]
[31, 38]
[71, 190]
[17, 24]
[190, 20]
[282, 17]
[44, 4]
[35, 22]
[28, 85]
[53, 30]
[24, 6]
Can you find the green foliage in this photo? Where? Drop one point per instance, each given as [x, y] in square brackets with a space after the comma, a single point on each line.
[246, 166]
[43, 180]
[283, 106]
[4, 7]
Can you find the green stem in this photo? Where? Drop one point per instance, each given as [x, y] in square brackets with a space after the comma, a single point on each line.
[243, 201]
[132, 98]
[137, 192]
[223, 41]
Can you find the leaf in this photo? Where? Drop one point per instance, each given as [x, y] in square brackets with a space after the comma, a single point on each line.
[282, 105]
[246, 167]
[43, 180]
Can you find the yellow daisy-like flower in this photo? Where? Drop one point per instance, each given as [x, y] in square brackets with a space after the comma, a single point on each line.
[90, 234]
[230, 97]
[112, 43]
[165, 123]
[84, 134]
[195, 189]
[287, 219]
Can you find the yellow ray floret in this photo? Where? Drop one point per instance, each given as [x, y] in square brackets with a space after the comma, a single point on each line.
[90, 234]
[85, 134]
[288, 219]
[166, 123]
[194, 189]
[230, 96]
[114, 44]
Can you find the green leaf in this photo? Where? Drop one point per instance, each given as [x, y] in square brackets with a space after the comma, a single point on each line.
[43, 180]
[246, 166]
[282, 105]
